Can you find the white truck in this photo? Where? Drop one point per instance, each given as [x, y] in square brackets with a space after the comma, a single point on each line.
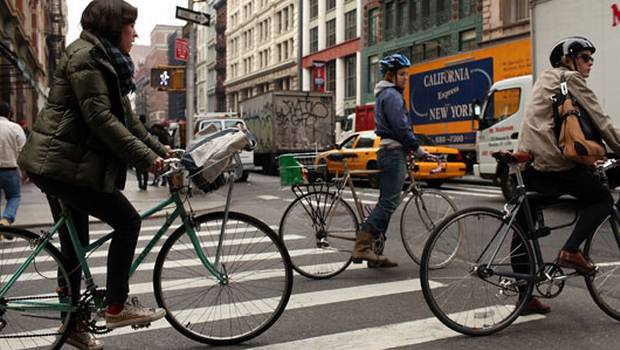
[212, 122]
[551, 20]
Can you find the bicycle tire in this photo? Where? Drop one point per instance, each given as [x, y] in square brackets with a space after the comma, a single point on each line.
[200, 307]
[603, 248]
[37, 283]
[316, 253]
[486, 296]
[420, 215]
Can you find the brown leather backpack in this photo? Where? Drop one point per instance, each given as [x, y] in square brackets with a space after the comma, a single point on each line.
[578, 139]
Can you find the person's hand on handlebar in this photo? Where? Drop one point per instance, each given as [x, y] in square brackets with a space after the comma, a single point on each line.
[157, 166]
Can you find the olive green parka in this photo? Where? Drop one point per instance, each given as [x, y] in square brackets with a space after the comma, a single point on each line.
[87, 134]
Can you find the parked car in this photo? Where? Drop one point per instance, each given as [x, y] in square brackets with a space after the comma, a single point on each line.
[365, 145]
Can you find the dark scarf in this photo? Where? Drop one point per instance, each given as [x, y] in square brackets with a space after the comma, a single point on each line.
[123, 65]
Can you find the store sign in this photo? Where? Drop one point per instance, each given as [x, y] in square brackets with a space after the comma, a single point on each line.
[181, 49]
[318, 76]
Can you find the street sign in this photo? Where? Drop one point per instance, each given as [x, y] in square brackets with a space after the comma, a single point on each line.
[181, 49]
[193, 16]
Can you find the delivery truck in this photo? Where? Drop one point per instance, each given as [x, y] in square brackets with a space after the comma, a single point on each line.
[289, 122]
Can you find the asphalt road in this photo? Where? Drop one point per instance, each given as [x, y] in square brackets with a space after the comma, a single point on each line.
[384, 308]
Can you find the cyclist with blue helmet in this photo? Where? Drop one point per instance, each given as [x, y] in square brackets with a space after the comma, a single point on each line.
[393, 126]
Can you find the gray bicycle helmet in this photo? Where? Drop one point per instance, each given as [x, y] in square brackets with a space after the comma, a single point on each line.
[569, 47]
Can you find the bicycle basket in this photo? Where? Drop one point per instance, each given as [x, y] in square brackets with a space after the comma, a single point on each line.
[209, 159]
[301, 168]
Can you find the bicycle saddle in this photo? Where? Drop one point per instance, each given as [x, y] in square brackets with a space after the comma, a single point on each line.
[512, 157]
[340, 156]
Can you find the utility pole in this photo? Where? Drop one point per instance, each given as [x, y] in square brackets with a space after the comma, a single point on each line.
[189, 92]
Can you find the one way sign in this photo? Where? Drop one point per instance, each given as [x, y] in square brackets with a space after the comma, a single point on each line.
[193, 16]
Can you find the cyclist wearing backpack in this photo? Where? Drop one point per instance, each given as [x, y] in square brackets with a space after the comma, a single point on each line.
[392, 124]
[551, 171]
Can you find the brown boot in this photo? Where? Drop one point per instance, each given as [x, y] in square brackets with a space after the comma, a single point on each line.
[363, 249]
[377, 246]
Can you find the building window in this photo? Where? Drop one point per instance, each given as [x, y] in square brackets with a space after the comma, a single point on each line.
[314, 8]
[350, 67]
[467, 40]
[350, 20]
[314, 39]
[388, 20]
[467, 8]
[401, 16]
[330, 31]
[286, 19]
[443, 11]
[417, 53]
[514, 11]
[331, 4]
[373, 26]
[330, 76]
[426, 8]
[373, 72]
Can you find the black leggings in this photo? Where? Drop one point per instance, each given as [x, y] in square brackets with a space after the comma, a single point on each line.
[112, 208]
[594, 200]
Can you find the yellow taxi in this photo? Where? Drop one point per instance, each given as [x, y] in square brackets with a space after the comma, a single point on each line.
[365, 145]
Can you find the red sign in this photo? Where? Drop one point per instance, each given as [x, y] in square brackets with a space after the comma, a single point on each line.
[615, 13]
[181, 49]
[318, 76]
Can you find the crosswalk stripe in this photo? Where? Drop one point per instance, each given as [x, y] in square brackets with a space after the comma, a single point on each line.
[471, 194]
[382, 337]
[297, 301]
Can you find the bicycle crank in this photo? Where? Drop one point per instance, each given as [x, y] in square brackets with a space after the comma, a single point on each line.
[551, 280]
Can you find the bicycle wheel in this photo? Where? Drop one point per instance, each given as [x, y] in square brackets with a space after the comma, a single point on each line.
[30, 309]
[479, 292]
[603, 248]
[258, 286]
[421, 214]
[319, 230]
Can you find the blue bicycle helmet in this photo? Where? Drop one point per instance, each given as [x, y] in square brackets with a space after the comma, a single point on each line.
[393, 62]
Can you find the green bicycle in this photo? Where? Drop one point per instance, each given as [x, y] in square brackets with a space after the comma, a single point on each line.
[222, 277]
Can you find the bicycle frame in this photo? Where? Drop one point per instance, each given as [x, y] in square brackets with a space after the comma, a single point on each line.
[83, 251]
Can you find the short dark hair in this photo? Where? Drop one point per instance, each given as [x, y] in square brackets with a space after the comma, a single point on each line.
[105, 18]
[5, 109]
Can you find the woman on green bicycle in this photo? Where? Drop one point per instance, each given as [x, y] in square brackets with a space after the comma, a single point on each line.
[82, 143]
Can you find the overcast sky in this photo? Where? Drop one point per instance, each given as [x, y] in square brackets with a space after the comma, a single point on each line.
[150, 13]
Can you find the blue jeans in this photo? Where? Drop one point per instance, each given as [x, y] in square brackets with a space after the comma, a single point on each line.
[391, 180]
[10, 184]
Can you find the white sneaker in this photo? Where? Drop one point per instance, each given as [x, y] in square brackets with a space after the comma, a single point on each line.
[84, 341]
[133, 314]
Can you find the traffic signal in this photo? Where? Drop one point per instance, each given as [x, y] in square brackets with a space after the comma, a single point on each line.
[168, 78]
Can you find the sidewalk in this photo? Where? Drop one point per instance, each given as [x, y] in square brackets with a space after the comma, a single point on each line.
[34, 211]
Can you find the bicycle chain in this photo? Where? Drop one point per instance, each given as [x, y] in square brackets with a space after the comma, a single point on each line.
[4, 300]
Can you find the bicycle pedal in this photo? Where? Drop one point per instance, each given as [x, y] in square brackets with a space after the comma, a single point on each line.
[141, 325]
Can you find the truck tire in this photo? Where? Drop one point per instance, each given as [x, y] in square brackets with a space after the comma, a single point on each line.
[373, 179]
[506, 184]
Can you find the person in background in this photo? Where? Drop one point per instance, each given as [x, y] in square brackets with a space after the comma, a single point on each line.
[12, 139]
[159, 130]
[142, 175]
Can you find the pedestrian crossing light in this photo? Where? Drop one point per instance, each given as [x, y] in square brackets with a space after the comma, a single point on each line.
[168, 78]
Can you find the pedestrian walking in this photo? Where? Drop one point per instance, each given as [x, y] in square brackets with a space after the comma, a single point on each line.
[12, 139]
[142, 175]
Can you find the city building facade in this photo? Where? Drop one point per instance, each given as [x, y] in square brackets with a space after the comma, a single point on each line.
[148, 100]
[211, 59]
[421, 29]
[32, 41]
[331, 50]
[504, 20]
[261, 48]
